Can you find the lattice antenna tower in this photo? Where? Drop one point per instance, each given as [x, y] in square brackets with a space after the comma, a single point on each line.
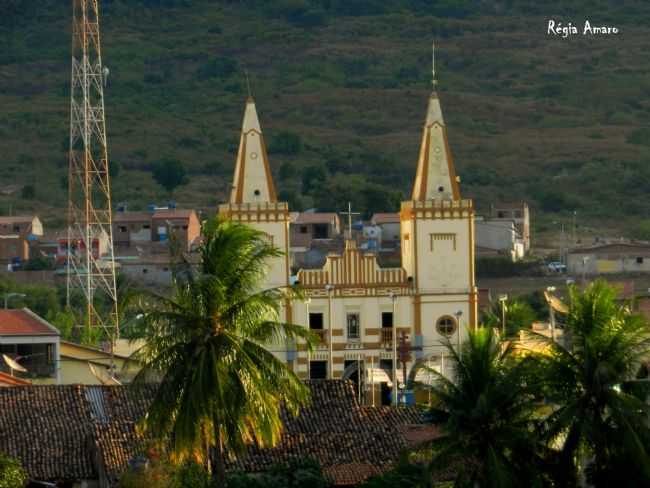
[91, 259]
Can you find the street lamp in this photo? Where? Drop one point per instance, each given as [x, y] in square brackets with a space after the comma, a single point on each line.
[393, 298]
[329, 288]
[458, 315]
[551, 310]
[502, 300]
[12, 295]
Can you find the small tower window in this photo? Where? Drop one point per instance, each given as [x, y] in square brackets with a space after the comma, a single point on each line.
[257, 193]
[441, 188]
[446, 325]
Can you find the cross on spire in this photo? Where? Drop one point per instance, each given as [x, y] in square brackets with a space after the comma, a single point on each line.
[433, 63]
[349, 214]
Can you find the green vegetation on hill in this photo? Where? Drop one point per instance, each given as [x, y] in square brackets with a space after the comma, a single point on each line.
[341, 88]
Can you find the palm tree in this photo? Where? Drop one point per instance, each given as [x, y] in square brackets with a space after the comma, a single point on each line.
[594, 380]
[486, 417]
[217, 385]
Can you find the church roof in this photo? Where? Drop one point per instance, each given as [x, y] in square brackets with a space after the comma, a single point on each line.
[436, 176]
[253, 181]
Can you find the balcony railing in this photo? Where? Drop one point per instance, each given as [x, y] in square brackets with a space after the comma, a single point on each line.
[387, 335]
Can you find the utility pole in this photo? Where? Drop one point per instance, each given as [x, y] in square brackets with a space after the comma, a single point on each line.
[90, 255]
[405, 353]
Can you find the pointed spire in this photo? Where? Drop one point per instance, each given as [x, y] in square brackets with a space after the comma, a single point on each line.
[253, 180]
[436, 176]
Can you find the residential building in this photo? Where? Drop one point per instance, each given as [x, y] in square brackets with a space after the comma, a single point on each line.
[517, 212]
[498, 237]
[353, 303]
[389, 223]
[616, 257]
[132, 229]
[31, 345]
[86, 365]
[16, 237]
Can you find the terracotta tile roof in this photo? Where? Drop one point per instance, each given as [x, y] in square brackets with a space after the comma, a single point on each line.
[44, 427]
[385, 218]
[175, 213]
[131, 217]
[19, 219]
[24, 322]
[78, 432]
[350, 441]
[315, 218]
[8, 380]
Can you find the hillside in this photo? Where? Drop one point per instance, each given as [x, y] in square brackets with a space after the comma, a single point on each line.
[341, 88]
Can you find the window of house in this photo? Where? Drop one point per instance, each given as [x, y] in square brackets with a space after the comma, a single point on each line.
[353, 326]
[303, 229]
[517, 214]
[50, 353]
[386, 319]
[145, 271]
[501, 214]
[123, 228]
[320, 231]
[16, 228]
[146, 226]
[185, 227]
[316, 321]
[639, 260]
[317, 370]
[446, 325]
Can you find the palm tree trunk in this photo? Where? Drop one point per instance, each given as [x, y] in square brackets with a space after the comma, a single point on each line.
[219, 467]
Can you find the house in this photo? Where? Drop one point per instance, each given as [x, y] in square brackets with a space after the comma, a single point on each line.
[156, 226]
[389, 223]
[86, 365]
[516, 212]
[498, 237]
[616, 257]
[309, 226]
[29, 345]
[89, 433]
[16, 236]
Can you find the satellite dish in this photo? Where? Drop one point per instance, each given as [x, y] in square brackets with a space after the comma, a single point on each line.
[13, 365]
[103, 377]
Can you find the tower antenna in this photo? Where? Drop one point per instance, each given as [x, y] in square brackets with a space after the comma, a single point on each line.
[90, 254]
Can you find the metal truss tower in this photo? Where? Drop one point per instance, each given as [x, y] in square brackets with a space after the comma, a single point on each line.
[91, 260]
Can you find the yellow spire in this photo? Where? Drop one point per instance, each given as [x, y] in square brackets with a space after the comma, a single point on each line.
[253, 180]
[436, 176]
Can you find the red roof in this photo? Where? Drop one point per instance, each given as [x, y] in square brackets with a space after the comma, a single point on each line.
[8, 380]
[316, 218]
[24, 323]
[385, 218]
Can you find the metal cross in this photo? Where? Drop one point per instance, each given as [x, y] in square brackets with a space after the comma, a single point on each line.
[350, 213]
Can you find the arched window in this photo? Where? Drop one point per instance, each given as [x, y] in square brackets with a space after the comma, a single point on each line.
[446, 325]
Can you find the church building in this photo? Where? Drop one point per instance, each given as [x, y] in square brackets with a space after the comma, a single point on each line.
[375, 323]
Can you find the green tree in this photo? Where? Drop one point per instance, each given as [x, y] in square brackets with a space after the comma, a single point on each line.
[486, 416]
[219, 385]
[170, 173]
[12, 474]
[602, 410]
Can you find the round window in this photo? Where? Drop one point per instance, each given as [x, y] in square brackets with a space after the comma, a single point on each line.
[446, 325]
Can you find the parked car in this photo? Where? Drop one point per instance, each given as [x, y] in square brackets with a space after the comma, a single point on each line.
[556, 267]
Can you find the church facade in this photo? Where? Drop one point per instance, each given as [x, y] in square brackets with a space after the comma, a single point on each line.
[375, 323]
